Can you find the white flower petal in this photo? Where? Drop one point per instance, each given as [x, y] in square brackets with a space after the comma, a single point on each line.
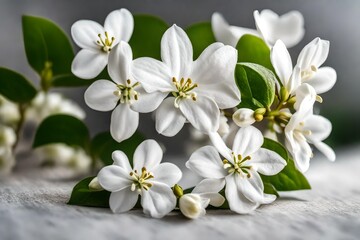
[313, 54]
[323, 80]
[326, 150]
[123, 200]
[152, 74]
[120, 24]
[124, 122]
[237, 201]
[300, 151]
[147, 102]
[252, 187]
[177, 52]
[148, 154]
[121, 160]
[120, 60]
[88, 63]
[210, 186]
[167, 173]
[281, 61]
[220, 146]
[158, 201]
[113, 178]
[193, 205]
[305, 99]
[216, 199]
[247, 141]
[244, 117]
[319, 127]
[295, 81]
[85, 34]
[206, 162]
[169, 120]
[267, 162]
[100, 95]
[268, 198]
[203, 113]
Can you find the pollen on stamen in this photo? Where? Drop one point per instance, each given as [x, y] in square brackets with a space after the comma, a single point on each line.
[128, 81]
[313, 68]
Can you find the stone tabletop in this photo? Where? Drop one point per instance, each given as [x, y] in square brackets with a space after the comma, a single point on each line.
[33, 206]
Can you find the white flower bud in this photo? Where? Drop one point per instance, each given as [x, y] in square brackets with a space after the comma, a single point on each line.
[94, 185]
[9, 111]
[193, 205]
[244, 117]
[7, 136]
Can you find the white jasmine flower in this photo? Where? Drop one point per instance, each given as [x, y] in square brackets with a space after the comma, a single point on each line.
[310, 60]
[97, 41]
[289, 27]
[199, 88]
[7, 161]
[304, 128]
[7, 136]
[124, 95]
[9, 111]
[240, 169]
[227, 34]
[244, 117]
[148, 178]
[193, 205]
[46, 104]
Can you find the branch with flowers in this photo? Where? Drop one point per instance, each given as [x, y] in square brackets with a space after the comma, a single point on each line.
[236, 87]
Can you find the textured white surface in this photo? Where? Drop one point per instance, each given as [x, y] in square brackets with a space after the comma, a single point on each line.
[32, 206]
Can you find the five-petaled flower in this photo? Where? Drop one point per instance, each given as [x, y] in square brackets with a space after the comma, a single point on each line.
[240, 168]
[148, 178]
[97, 41]
[124, 94]
[199, 88]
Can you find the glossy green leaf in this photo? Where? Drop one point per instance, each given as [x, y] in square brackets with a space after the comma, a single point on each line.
[270, 189]
[289, 179]
[146, 38]
[254, 50]
[46, 43]
[201, 36]
[70, 80]
[62, 129]
[15, 86]
[103, 145]
[256, 84]
[82, 196]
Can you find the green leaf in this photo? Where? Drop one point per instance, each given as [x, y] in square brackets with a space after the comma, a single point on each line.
[256, 84]
[254, 50]
[103, 145]
[201, 36]
[146, 38]
[270, 189]
[289, 179]
[70, 80]
[16, 87]
[82, 196]
[46, 43]
[62, 129]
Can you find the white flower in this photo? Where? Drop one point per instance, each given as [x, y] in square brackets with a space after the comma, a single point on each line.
[147, 178]
[193, 205]
[7, 136]
[7, 161]
[46, 104]
[97, 41]
[240, 169]
[9, 111]
[227, 34]
[124, 95]
[289, 27]
[244, 117]
[224, 127]
[199, 88]
[310, 59]
[280, 58]
[304, 128]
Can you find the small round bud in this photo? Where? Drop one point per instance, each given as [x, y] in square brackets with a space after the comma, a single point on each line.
[178, 191]
[244, 117]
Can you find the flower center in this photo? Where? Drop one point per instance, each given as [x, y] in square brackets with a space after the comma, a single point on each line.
[105, 43]
[184, 89]
[238, 167]
[308, 73]
[141, 181]
[127, 92]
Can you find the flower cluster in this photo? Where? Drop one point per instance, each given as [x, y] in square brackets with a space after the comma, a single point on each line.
[205, 92]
